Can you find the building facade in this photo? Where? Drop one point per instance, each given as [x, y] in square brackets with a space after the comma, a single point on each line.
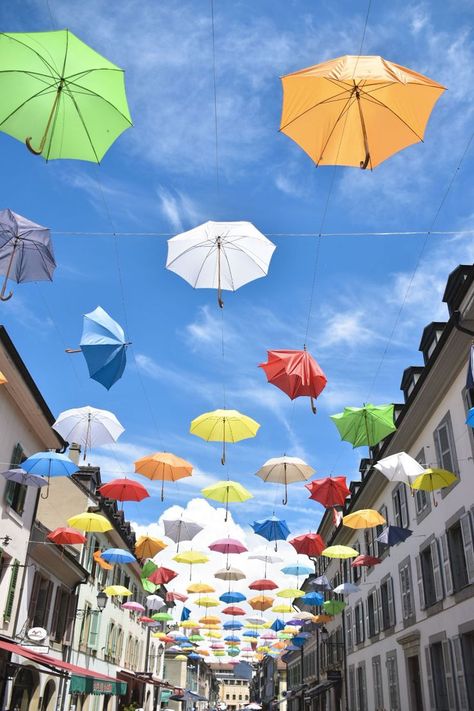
[234, 689]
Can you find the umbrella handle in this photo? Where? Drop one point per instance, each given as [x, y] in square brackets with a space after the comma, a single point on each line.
[7, 274]
[38, 152]
[163, 489]
[219, 289]
[223, 453]
[313, 406]
[33, 150]
[285, 498]
[363, 163]
[73, 350]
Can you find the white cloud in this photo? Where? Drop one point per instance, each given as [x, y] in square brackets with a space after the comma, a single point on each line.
[178, 208]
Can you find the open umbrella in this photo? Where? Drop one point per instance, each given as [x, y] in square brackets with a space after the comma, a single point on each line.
[399, 467]
[321, 583]
[285, 470]
[162, 617]
[154, 602]
[88, 426]
[133, 606]
[356, 110]
[227, 546]
[148, 547]
[121, 590]
[163, 466]
[367, 560]
[64, 99]
[366, 425]
[297, 570]
[64, 535]
[340, 552]
[273, 529]
[363, 518]
[173, 596]
[49, 464]
[333, 607]
[101, 562]
[263, 584]
[162, 575]
[261, 602]
[312, 599]
[224, 426]
[391, 535]
[89, 521]
[430, 480]
[266, 560]
[180, 530]
[233, 625]
[191, 558]
[220, 255]
[26, 249]
[200, 588]
[233, 610]
[207, 602]
[231, 597]
[19, 476]
[226, 492]
[123, 490]
[290, 593]
[310, 544]
[104, 347]
[330, 491]
[296, 373]
[346, 589]
[230, 574]
[277, 625]
[117, 555]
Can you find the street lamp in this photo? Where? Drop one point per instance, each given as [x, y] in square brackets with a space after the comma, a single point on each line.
[101, 600]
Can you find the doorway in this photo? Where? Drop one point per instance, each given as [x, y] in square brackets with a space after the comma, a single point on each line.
[414, 683]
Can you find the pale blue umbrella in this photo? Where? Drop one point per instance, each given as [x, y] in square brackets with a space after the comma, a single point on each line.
[49, 464]
[19, 476]
[117, 555]
[297, 570]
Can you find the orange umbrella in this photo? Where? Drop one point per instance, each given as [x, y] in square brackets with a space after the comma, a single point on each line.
[261, 602]
[163, 466]
[101, 562]
[147, 547]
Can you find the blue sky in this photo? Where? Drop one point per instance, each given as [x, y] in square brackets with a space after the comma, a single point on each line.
[160, 176]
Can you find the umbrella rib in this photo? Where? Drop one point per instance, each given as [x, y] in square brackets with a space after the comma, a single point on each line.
[247, 252]
[30, 98]
[318, 103]
[343, 113]
[191, 249]
[71, 95]
[40, 56]
[377, 102]
[212, 248]
[90, 92]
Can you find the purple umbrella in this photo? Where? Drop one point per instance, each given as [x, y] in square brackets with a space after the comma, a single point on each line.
[134, 606]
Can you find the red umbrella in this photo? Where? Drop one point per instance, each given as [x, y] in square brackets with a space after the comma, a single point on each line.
[331, 491]
[64, 534]
[263, 584]
[233, 610]
[144, 618]
[162, 575]
[173, 596]
[123, 490]
[310, 544]
[296, 373]
[368, 560]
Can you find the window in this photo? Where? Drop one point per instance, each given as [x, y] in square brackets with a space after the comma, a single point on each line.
[361, 688]
[352, 695]
[457, 554]
[7, 612]
[15, 494]
[378, 686]
[111, 641]
[359, 623]
[406, 589]
[444, 445]
[39, 607]
[422, 498]
[430, 584]
[392, 678]
[348, 629]
[400, 508]
[440, 675]
[62, 615]
[85, 626]
[372, 614]
[387, 605]
[94, 629]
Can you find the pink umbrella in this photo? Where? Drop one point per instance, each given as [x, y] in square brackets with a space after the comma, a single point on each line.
[134, 606]
[227, 545]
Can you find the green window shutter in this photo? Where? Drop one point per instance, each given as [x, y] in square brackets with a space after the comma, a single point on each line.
[11, 592]
[10, 492]
[17, 455]
[93, 639]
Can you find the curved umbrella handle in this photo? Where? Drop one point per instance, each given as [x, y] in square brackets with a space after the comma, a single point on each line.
[30, 147]
[163, 489]
[73, 350]
[276, 546]
[285, 498]
[219, 298]
[313, 406]
[364, 163]
[2, 294]
[223, 453]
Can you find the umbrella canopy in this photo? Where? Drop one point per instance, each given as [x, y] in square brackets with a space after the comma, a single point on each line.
[154, 602]
[282, 608]
[19, 476]
[49, 464]
[123, 490]
[224, 426]
[220, 255]
[278, 625]
[200, 588]
[207, 602]
[230, 574]
[330, 491]
[191, 557]
[162, 617]
[273, 529]
[67, 100]
[290, 593]
[226, 492]
[366, 425]
[121, 590]
[133, 606]
[346, 589]
[162, 575]
[470, 414]
[231, 597]
[312, 599]
[210, 620]
[263, 584]
[321, 583]
[285, 470]
[117, 555]
[90, 522]
[227, 545]
[340, 552]
[88, 426]
[180, 530]
[430, 480]
[233, 625]
[355, 110]
[64, 535]
[101, 562]
[391, 535]
[363, 518]
[266, 558]
[297, 570]
[310, 544]
[399, 467]
[261, 602]
[368, 560]
[296, 373]
[172, 596]
[148, 547]
[104, 347]
[233, 610]
[26, 249]
[333, 607]
[163, 466]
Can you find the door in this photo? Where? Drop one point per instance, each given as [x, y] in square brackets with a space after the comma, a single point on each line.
[414, 684]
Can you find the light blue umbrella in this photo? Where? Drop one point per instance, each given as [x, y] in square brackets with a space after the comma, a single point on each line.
[233, 625]
[232, 638]
[104, 347]
[117, 555]
[297, 570]
[251, 633]
[49, 464]
[230, 597]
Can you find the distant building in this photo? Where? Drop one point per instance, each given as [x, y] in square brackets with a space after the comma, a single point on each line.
[234, 690]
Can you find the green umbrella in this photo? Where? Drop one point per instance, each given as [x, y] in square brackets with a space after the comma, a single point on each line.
[60, 96]
[365, 425]
[162, 617]
[332, 607]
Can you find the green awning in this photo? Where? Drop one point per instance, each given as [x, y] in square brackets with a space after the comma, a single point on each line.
[165, 694]
[89, 685]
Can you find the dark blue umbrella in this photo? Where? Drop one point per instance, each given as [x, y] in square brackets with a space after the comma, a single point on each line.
[312, 599]
[104, 347]
[278, 625]
[231, 638]
[273, 529]
[391, 535]
[230, 597]
[297, 641]
[26, 251]
[185, 614]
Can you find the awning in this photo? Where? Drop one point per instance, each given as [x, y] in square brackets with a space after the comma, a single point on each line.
[188, 696]
[58, 665]
[89, 685]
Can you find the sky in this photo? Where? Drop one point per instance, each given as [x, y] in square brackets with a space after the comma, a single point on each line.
[373, 294]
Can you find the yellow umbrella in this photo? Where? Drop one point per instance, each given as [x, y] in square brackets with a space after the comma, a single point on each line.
[191, 558]
[321, 619]
[90, 522]
[163, 466]
[340, 552]
[147, 547]
[213, 635]
[282, 608]
[200, 588]
[189, 624]
[364, 518]
[3, 379]
[433, 479]
[290, 593]
[228, 492]
[181, 658]
[117, 590]
[207, 602]
[356, 110]
[224, 426]
[203, 652]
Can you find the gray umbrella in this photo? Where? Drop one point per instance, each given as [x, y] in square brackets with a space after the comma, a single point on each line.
[321, 583]
[21, 477]
[26, 251]
[179, 530]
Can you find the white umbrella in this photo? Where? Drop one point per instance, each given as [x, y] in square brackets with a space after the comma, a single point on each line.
[231, 574]
[154, 602]
[21, 477]
[346, 589]
[399, 467]
[220, 255]
[88, 426]
[285, 470]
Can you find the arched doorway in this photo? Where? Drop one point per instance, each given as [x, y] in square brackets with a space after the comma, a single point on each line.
[48, 702]
[25, 692]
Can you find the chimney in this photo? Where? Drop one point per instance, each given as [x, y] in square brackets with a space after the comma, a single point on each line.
[75, 452]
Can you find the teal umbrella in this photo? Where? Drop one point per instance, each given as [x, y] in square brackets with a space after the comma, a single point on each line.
[366, 425]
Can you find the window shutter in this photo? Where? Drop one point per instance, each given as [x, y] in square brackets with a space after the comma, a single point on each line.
[56, 608]
[376, 613]
[348, 631]
[93, 639]
[438, 581]
[448, 672]
[429, 677]
[34, 596]
[396, 509]
[391, 602]
[466, 531]
[358, 690]
[363, 688]
[459, 672]
[378, 608]
[419, 575]
[448, 578]
[11, 592]
[71, 616]
[403, 506]
[367, 624]
[10, 492]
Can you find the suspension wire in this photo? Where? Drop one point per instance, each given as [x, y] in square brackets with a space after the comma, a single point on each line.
[214, 80]
[386, 233]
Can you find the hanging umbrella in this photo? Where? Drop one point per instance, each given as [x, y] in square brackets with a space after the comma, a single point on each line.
[49, 464]
[399, 467]
[310, 544]
[200, 588]
[266, 560]
[321, 583]
[333, 607]
[227, 546]
[430, 480]
[144, 619]
[133, 606]
[263, 584]
[67, 101]
[162, 575]
[278, 625]
[230, 574]
[121, 590]
[256, 620]
[172, 596]
[220, 255]
[330, 491]
[104, 347]
[231, 597]
[154, 602]
[296, 373]
[148, 547]
[391, 535]
[363, 518]
[297, 570]
[90, 522]
[233, 610]
[163, 466]
[261, 602]
[179, 530]
[207, 602]
[117, 555]
[210, 620]
[26, 249]
[233, 625]
[123, 490]
[226, 492]
[312, 599]
[19, 476]
[356, 110]
[101, 562]
[88, 426]
[285, 470]
[290, 593]
[191, 558]
[366, 425]
[282, 608]
[340, 552]
[346, 589]
[224, 426]
[66, 536]
[470, 417]
[272, 529]
[368, 560]
[3, 379]
[162, 617]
